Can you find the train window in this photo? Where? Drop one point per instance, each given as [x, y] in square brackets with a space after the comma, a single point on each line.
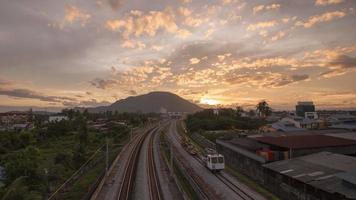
[221, 159]
[214, 160]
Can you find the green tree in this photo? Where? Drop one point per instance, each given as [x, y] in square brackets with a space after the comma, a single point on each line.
[19, 190]
[263, 109]
[22, 163]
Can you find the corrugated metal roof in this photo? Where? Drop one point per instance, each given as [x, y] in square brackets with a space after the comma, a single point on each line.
[322, 170]
[349, 177]
[241, 151]
[306, 141]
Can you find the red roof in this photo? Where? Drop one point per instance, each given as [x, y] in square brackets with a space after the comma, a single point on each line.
[305, 141]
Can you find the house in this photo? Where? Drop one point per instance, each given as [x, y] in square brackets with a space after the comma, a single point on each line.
[57, 118]
[342, 121]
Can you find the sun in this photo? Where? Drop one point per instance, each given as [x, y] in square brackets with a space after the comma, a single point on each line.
[208, 101]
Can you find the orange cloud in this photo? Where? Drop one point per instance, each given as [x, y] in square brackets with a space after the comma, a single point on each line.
[74, 14]
[311, 21]
[327, 2]
[259, 25]
[138, 23]
[261, 8]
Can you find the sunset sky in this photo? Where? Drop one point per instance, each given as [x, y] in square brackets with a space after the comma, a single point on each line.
[233, 52]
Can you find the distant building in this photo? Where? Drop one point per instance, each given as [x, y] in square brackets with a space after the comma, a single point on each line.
[304, 123]
[176, 114]
[302, 107]
[342, 121]
[324, 175]
[57, 118]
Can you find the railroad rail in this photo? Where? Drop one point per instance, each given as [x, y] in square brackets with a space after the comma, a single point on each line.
[153, 179]
[240, 192]
[126, 188]
[235, 188]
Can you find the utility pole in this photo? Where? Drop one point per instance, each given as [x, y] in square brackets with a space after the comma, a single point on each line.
[171, 150]
[130, 134]
[107, 156]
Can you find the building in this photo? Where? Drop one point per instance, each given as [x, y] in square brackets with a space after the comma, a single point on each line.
[342, 121]
[300, 145]
[287, 126]
[322, 176]
[57, 118]
[303, 107]
[303, 123]
[248, 154]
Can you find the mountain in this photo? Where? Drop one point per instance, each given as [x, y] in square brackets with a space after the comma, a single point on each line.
[151, 102]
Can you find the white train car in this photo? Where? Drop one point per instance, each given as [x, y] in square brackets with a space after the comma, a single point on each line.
[214, 162]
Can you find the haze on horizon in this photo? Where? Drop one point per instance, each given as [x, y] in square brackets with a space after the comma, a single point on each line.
[91, 53]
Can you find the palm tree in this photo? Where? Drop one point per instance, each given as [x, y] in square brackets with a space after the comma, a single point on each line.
[263, 109]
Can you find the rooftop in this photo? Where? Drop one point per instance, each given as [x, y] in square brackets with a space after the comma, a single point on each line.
[324, 170]
[305, 141]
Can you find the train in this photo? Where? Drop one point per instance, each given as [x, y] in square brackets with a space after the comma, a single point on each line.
[214, 161]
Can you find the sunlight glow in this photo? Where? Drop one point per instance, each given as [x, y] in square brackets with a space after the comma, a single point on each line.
[208, 101]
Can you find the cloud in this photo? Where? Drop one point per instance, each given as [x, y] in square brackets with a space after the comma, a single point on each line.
[261, 8]
[278, 36]
[260, 25]
[327, 2]
[328, 16]
[138, 23]
[344, 61]
[133, 44]
[102, 83]
[115, 4]
[333, 73]
[194, 61]
[4, 82]
[339, 66]
[30, 94]
[266, 79]
[150, 74]
[74, 14]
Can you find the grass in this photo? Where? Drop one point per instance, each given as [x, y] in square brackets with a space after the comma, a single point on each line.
[184, 183]
[250, 183]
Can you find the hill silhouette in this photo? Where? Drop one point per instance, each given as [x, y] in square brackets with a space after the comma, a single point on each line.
[152, 102]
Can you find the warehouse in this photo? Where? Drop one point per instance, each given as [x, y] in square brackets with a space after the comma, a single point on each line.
[300, 145]
[323, 175]
[249, 154]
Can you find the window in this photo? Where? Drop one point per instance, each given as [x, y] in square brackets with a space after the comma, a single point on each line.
[221, 159]
[214, 160]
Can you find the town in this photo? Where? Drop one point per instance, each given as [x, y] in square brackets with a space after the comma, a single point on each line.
[281, 154]
[178, 100]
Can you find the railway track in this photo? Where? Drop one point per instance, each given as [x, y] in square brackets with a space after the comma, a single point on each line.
[153, 179]
[235, 188]
[128, 183]
[126, 188]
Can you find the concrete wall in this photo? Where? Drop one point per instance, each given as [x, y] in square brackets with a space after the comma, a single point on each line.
[242, 163]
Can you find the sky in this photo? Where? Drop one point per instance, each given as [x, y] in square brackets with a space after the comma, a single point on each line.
[56, 54]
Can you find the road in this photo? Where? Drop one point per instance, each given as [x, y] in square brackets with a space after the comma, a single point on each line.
[220, 187]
